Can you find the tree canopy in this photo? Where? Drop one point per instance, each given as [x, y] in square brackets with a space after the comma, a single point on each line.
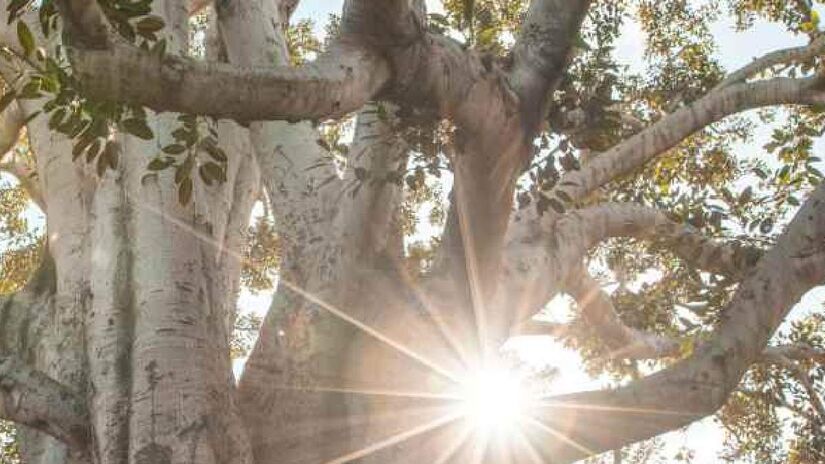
[682, 201]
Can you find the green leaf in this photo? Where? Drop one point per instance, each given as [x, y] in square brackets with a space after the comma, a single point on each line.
[24, 35]
[216, 153]
[30, 91]
[150, 24]
[564, 196]
[185, 191]
[138, 128]
[206, 176]
[158, 164]
[14, 9]
[80, 146]
[174, 149]
[214, 171]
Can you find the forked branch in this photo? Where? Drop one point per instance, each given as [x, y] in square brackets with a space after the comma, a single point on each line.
[580, 230]
[699, 385]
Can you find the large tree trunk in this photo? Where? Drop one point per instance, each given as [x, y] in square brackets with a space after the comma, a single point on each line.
[144, 295]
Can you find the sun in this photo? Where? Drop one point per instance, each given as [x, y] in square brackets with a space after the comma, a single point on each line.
[494, 399]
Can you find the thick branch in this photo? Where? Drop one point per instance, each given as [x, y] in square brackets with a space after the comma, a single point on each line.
[543, 50]
[32, 398]
[624, 342]
[583, 229]
[340, 81]
[377, 158]
[696, 387]
[673, 128]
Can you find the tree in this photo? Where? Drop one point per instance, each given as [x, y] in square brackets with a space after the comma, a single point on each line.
[147, 162]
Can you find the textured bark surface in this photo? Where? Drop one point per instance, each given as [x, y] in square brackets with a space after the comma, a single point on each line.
[118, 349]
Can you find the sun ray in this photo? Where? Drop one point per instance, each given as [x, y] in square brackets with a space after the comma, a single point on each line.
[550, 430]
[525, 442]
[396, 439]
[480, 448]
[454, 446]
[314, 299]
[471, 266]
[371, 392]
[591, 407]
[435, 316]
[371, 331]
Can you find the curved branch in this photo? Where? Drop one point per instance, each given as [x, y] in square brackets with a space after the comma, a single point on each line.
[785, 56]
[643, 147]
[699, 385]
[583, 229]
[599, 313]
[32, 398]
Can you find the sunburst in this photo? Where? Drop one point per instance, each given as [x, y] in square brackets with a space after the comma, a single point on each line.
[492, 402]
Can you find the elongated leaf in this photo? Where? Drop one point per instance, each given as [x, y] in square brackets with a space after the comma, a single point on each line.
[24, 35]
[138, 128]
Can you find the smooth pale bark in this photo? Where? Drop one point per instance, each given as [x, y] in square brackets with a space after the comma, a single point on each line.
[583, 229]
[302, 188]
[32, 398]
[543, 50]
[150, 285]
[27, 396]
[339, 82]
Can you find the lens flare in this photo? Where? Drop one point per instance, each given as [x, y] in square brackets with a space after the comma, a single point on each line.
[493, 399]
